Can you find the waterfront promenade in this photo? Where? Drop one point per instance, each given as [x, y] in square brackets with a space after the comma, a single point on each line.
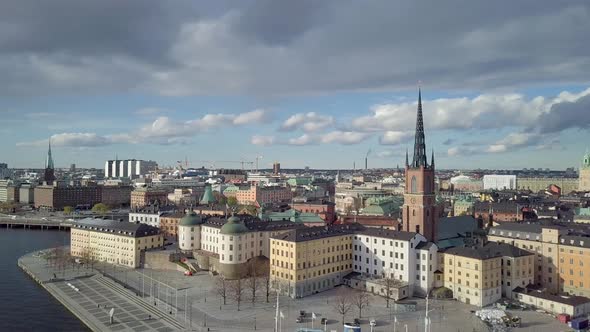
[90, 296]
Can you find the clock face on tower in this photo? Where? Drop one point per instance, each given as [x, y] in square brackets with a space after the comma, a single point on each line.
[413, 201]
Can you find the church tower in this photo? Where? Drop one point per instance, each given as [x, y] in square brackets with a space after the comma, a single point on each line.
[419, 210]
[49, 175]
[584, 176]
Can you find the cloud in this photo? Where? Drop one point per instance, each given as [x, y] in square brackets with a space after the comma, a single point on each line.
[567, 114]
[448, 141]
[395, 137]
[72, 140]
[511, 142]
[344, 137]
[163, 130]
[256, 116]
[304, 139]
[262, 140]
[315, 47]
[308, 122]
[514, 141]
[486, 111]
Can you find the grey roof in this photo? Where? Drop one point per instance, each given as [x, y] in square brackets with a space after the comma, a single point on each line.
[254, 224]
[452, 227]
[519, 227]
[575, 240]
[314, 233]
[123, 228]
[573, 300]
[387, 233]
[424, 245]
[489, 250]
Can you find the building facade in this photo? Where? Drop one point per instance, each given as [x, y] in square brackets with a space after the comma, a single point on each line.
[499, 182]
[481, 276]
[258, 195]
[229, 246]
[130, 168]
[115, 242]
[56, 197]
[584, 175]
[567, 185]
[143, 196]
[419, 212]
[314, 259]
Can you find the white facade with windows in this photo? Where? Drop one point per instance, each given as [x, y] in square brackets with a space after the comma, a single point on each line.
[499, 182]
[404, 256]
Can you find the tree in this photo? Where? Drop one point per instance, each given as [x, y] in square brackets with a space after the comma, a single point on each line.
[100, 208]
[232, 201]
[252, 281]
[88, 256]
[68, 210]
[266, 282]
[361, 300]
[343, 303]
[237, 290]
[221, 288]
[388, 284]
[221, 200]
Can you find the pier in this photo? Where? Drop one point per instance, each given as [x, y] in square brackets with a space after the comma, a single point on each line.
[92, 296]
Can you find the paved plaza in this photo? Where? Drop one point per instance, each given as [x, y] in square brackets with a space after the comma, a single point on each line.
[190, 303]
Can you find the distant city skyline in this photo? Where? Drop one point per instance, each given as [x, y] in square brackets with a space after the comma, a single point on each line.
[305, 83]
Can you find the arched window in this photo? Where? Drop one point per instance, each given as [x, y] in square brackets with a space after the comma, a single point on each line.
[414, 185]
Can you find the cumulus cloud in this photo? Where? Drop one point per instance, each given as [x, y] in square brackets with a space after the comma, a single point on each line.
[395, 137]
[262, 140]
[163, 130]
[151, 111]
[308, 122]
[304, 139]
[344, 137]
[72, 140]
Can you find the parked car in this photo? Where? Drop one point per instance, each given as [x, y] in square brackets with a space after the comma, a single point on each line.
[373, 323]
[324, 321]
[299, 319]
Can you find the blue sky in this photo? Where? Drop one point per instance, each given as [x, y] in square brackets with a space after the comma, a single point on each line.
[306, 84]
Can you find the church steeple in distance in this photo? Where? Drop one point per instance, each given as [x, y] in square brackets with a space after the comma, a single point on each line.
[49, 161]
[419, 140]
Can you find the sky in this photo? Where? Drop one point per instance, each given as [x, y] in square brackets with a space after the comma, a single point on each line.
[306, 83]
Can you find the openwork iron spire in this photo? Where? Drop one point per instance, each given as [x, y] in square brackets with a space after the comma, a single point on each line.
[419, 141]
[49, 161]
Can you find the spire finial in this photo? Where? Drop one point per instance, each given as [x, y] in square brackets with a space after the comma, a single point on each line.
[419, 159]
[407, 159]
[432, 159]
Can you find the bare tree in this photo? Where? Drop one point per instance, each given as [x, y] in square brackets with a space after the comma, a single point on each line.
[252, 281]
[388, 284]
[342, 303]
[221, 288]
[361, 300]
[267, 283]
[237, 290]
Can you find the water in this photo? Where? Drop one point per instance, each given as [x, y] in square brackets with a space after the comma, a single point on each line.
[25, 305]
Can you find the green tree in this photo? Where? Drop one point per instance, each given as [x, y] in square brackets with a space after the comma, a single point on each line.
[232, 201]
[68, 210]
[100, 208]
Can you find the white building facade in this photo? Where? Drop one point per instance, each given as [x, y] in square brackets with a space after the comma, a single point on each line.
[499, 182]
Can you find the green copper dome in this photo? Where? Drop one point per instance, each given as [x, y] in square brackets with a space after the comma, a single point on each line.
[234, 226]
[208, 197]
[191, 219]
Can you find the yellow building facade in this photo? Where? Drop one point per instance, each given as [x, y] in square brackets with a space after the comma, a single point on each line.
[114, 242]
[481, 276]
[310, 260]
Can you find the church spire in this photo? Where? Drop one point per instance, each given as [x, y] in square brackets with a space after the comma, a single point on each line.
[49, 161]
[407, 160]
[432, 159]
[419, 140]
